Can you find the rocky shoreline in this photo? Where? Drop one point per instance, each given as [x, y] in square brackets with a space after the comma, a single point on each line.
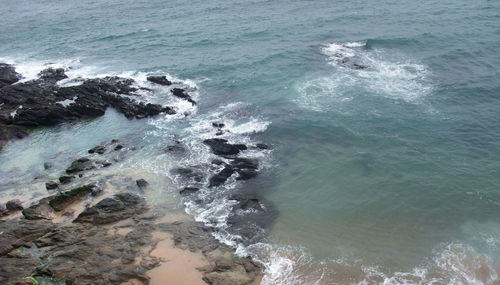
[96, 228]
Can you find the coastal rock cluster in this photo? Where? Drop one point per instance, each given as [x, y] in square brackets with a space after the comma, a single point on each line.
[83, 232]
[109, 240]
[42, 102]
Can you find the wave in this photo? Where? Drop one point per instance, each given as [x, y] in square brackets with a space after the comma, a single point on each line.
[452, 264]
[360, 72]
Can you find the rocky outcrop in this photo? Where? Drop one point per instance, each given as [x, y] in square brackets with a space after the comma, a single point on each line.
[118, 207]
[64, 199]
[8, 75]
[222, 147]
[42, 102]
[161, 80]
[181, 93]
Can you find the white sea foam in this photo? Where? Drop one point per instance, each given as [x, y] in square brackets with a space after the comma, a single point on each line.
[359, 71]
[453, 264]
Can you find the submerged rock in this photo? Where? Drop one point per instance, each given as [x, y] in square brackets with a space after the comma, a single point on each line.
[188, 174]
[161, 80]
[188, 191]
[47, 165]
[141, 183]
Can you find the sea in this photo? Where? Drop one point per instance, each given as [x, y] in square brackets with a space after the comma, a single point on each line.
[382, 120]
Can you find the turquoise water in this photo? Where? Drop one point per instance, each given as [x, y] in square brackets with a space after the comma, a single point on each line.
[389, 172]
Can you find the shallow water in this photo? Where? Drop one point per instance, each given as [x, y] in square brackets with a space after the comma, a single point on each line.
[383, 118]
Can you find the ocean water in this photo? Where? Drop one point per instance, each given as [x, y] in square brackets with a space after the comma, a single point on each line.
[383, 119]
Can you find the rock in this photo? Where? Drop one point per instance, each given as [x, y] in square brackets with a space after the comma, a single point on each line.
[100, 149]
[18, 232]
[65, 179]
[52, 75]
[218, 125]
[118, 147]
[51, 185]
[3, 210]
[141, 183]
[246, 167]
[41, 102]
[47, 165]
[221, 177]
[176, 148]
[113, 209]
[245, 163]
[217, 161]
[161, 80]
[80, 165]
[188, 174]
[262, 146]
[222, 147]
[8, 75]
[38, 211]
[14, 205]
[246, 202]
[181, 93]
[188, 191]
[64, 199]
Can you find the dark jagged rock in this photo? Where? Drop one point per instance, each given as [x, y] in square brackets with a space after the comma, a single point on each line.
[161, 80]
[176, 148]
[52, 75]
[65, 179]
[188, 191]
[64, 199]
[118, 147]
[188, 174]
[51, 185]
[14, 205]
[218, 125]
[38, 211]
[80, 165]
[116, 208]
[141, 183]
[100, 149]
[222, 147]
[181, 93]
[262, 146]
[221, 177]
[40, 102]
[8, 75]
